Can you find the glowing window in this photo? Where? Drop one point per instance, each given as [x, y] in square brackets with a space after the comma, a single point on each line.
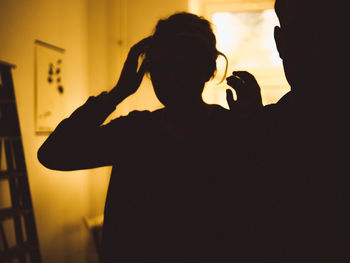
[246, 38]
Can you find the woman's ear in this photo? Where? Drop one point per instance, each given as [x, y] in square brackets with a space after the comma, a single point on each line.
[279, 41]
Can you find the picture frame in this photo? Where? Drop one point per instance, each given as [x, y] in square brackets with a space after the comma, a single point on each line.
[50, 95]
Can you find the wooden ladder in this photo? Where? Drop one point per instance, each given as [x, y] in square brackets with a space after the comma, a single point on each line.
[18, 235]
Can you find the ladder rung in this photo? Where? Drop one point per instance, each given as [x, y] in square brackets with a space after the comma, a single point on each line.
[17, 251]
[11, 138]
[6, 213]
[7, 101]
[6, 65]
[11, 174]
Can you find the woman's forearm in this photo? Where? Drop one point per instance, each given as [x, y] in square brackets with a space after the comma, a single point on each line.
[75, 141]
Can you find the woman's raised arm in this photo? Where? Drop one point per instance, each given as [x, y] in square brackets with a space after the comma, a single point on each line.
[81, 141]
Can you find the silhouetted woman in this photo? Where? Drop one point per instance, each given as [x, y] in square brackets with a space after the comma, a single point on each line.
[161, 202]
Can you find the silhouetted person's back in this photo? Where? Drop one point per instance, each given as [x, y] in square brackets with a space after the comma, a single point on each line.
[303, 150]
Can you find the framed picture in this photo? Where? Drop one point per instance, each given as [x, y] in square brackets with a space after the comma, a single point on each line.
[50, 95]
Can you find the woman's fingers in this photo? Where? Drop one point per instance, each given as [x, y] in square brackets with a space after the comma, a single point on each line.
[130, 78]
[251, 91]
[230, 100]
[139, 48]
[243, 83]
[235, 82]
[135, 51]
[246, 78]
[140, 73]
[247, 90]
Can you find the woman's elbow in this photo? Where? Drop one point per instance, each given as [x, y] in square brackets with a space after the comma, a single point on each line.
[50, 159]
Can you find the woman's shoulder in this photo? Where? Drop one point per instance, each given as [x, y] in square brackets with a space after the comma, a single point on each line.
[217, 108]
[136, 117]
[217, 111]
[137, 114]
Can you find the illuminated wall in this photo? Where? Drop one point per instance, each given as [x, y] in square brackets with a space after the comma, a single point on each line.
[96, 35]
[60, 199]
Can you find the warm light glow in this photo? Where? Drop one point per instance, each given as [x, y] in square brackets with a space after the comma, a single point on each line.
[194, 6]
[246, 38]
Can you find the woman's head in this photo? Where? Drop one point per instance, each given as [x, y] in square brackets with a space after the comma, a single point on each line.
[181, 58]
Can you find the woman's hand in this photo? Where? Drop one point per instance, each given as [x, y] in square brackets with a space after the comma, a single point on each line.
[247, 90]
[130, 79]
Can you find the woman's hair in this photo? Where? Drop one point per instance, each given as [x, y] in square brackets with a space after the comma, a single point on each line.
[192, 29]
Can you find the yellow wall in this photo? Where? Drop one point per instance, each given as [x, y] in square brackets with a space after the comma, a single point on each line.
[90, 31]
[60, 199]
